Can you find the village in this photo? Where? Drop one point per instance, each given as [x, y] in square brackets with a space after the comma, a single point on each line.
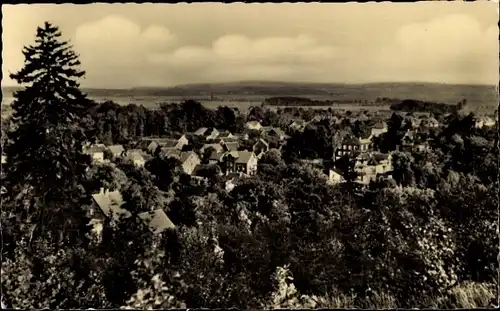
[227, 151]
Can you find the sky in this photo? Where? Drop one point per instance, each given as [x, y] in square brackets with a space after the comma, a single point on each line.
[162, 45]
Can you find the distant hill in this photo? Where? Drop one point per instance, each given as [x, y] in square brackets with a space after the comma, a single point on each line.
[477, 96]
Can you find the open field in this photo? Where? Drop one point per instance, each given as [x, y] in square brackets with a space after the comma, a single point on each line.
[480, 98]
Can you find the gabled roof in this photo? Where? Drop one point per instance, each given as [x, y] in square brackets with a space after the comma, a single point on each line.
[185, 155]
[157, 220]
[337, 171]
[253, 123]
[217, 156]
[143, 143]
[300, 122]
[380, 125]
[244, 157]
[110, 204]
[95, 149]
[277, 130]
[217, 147]
[168, 143]
[262, 141]
[135, 155]
[170, 152]
[177, 136]
[223, 134]
[116, 149]
[200, 131]
[232, 146]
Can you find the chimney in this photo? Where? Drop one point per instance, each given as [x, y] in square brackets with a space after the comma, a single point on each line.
[101, 190]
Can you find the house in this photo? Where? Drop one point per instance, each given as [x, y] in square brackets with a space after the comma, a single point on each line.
[298, 124]
[196, 178]
[225, 135]
[233, 139]
[189, 160]
[362, 117]
[217, 147]
[4, 159]
[260, 147]
[182, 140]
[253, 125]
[335, 177]
[246, 163]
[352, 146]
[169, 152]
[430, 122]
[108, 204]
[144, 143]
[216, 157]
[412, 121]
[157, 221]
[381, 161]
[96, 153]
[379, 128]
[201, 131]
[231, 146]
[116, 150]
[275, 132]
[484, 122]
[137, 157]
[166, 143]
[369, 166]
[212, 134]
[365, 178]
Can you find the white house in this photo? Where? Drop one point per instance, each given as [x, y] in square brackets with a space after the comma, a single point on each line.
[335, 177]
[253, 125]
[96, 153]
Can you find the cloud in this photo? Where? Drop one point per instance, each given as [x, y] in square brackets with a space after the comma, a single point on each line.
[454, 49]
[114, 49]
[126, 49]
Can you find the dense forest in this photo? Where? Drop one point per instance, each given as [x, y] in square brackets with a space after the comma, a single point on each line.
[284, 238]
[412, 105]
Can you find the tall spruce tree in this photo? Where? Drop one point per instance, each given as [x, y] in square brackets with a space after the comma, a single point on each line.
[46, 150]
[41, 212]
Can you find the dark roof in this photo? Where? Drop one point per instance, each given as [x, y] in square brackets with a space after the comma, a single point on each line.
[218, 156]
[349, 140]
[380, 156]
[217, 147]
[277, 130]
[170, 152]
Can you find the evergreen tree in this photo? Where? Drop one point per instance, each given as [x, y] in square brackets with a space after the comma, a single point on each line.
[46, 150]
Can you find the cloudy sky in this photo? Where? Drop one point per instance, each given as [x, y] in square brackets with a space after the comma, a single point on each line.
[127, 45]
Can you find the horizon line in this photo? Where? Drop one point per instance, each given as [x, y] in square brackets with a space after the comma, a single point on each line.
[273, 81]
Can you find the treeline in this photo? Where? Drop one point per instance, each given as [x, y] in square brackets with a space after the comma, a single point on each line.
[303, 101]
[113, 123]
[413, 105]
